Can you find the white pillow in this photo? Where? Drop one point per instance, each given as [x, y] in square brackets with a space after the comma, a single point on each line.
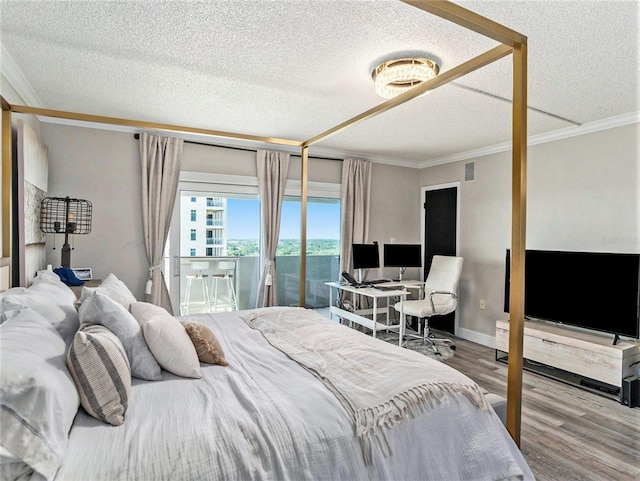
[113, 288]
[10, 292]
[38, 396]
[46, 273]
[167, 339]
[101, 309]
[49, 284]
[53, 300]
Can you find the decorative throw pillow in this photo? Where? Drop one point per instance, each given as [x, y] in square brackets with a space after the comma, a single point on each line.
[168, 340]
[113, 288]
[206, 343]
[50, 298]
[38, 397]
[101, 309]
[99, 366]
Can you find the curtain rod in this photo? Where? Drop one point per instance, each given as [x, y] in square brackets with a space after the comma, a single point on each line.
[137, 136]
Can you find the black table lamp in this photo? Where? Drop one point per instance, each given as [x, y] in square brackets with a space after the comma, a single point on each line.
[62, 215]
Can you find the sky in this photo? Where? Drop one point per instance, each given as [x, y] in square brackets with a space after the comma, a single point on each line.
[323, 220]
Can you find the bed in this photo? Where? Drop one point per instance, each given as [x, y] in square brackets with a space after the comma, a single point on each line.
[276, 403]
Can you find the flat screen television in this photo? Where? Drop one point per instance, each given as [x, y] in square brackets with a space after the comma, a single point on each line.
[402, 256]
[365, 256]
[592, 290]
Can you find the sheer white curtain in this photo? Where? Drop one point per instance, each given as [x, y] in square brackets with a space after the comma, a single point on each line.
[272, 177]
[355, 200]
[160, 158]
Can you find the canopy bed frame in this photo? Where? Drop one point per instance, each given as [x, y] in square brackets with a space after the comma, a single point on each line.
[511, 43]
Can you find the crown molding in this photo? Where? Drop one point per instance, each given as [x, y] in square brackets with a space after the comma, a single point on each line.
[587, 128]
[16, 78]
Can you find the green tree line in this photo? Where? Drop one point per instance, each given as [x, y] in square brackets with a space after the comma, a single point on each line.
[286, 247]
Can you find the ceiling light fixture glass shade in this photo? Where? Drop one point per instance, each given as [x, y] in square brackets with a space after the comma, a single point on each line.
[396, 76]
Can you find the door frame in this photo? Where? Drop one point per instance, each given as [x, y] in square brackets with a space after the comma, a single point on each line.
[423, 190]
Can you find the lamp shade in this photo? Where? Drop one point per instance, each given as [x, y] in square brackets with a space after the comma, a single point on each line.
[60, 215]
[63, 215]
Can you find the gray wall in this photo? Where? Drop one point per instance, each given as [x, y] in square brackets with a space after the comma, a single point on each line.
[395, 212]
[103, 167]
[583, 195]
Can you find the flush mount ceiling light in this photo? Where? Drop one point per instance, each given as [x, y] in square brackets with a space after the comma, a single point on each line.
[396, 76]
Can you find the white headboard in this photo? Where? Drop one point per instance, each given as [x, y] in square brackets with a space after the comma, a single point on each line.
[33, 173]
[5, 272]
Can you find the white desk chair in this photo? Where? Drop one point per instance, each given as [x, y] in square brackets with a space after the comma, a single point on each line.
[227, 278]
[198, 266]
[440, 294]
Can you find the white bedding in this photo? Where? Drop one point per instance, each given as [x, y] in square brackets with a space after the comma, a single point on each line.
[264, 417]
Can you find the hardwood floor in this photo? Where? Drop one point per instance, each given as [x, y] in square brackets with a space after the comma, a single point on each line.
[567, 434]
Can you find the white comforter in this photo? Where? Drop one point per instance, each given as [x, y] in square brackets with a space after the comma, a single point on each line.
[264, 417]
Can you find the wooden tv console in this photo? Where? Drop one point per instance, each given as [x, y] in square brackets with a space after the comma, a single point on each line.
[586, 360]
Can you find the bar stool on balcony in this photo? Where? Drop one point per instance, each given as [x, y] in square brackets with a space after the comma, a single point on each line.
[226, 277]
[198, 266]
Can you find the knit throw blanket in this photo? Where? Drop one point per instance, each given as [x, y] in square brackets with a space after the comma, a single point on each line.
[379, 385]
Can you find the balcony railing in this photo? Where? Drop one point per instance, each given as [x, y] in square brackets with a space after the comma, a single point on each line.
[320, 269]
[215, 223]
[215, 242]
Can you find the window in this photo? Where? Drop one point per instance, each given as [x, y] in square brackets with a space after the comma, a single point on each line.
[192, 252]
[323, 226]
[193, 199]
[323, 250]
[232, 228]
[229, 208]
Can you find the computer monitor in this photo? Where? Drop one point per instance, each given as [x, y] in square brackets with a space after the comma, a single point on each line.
[365, 256]
[402, 256]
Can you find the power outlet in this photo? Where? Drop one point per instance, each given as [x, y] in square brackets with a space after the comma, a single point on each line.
[482, 304]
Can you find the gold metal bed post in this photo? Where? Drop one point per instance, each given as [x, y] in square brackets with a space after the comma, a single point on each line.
[518, 239]
[303, 225]
[511, 42]
[518, 42]
[7, 172]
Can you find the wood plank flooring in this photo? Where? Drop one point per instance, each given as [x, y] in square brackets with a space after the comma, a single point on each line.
[568, 434]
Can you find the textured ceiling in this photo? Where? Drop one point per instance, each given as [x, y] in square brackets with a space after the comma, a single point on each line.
[293, 69]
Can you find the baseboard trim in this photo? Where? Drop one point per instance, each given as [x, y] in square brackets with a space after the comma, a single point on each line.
[477, 337]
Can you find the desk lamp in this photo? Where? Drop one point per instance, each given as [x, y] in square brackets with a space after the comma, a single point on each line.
[62, 215]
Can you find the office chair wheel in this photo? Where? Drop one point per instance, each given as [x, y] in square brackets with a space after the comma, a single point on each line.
[442, 340]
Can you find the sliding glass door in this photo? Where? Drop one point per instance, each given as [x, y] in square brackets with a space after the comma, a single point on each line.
[323, 251]
[215, 262]
[217, 222]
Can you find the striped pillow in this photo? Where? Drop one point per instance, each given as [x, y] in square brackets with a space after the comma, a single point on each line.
[101, 371]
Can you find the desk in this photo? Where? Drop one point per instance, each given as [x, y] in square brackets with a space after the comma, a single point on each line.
[359, 315]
